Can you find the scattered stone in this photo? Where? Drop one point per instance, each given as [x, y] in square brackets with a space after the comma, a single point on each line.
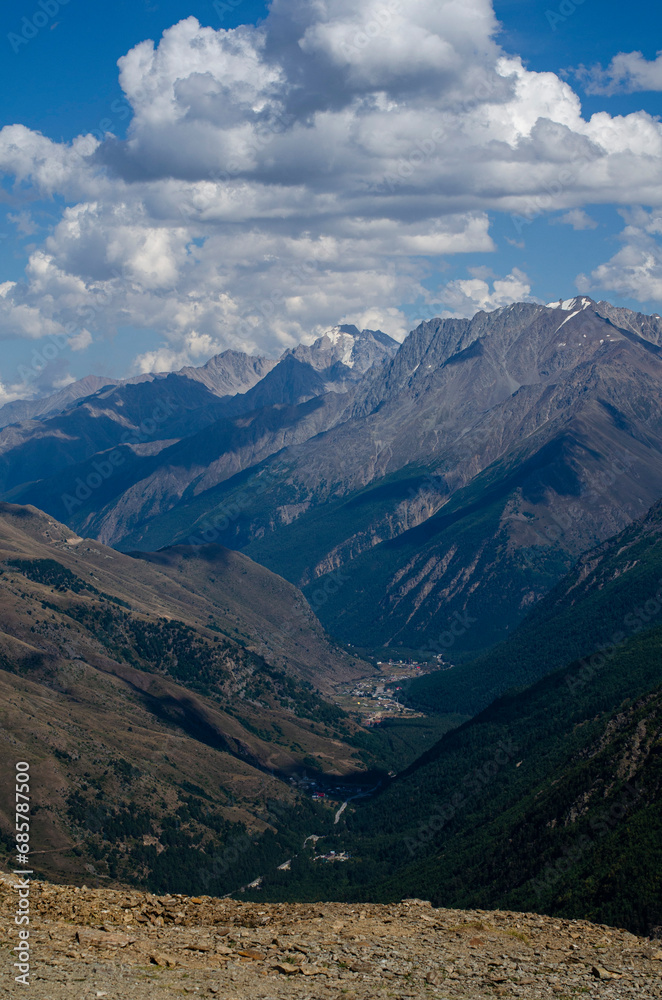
[84, 948]
[600, 973]
[101, 939]
[167, 961]
[286, 969]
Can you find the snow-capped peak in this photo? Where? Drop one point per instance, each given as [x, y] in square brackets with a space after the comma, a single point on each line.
[345, 341]
[338, 336]
[568, 305]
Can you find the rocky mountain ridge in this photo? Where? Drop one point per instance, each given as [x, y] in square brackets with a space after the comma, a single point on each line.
[493, 449]
[228, 373]
[461, 476]
[117, 942]
[210, 423]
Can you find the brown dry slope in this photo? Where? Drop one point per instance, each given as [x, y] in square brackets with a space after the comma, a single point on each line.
[147, 692]
[90, 943]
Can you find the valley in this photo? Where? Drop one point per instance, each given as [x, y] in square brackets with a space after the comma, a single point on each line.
[548, 797]
[377, 697]
[349, 643]
[331, 500]
[188, 702]
[167, 709]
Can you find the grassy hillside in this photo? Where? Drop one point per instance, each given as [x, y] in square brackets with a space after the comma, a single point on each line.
[162, 707]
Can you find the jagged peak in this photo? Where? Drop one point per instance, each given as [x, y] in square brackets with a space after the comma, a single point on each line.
[569, 305]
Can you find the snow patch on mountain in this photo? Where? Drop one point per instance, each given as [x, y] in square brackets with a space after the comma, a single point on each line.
[578, 303]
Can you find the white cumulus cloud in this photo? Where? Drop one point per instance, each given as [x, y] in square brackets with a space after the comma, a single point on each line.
[627, 73]
[465, 296]
[636, 270]
[281, 178]
[577, 218]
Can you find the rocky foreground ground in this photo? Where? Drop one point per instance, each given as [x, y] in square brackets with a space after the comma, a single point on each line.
[91, 943]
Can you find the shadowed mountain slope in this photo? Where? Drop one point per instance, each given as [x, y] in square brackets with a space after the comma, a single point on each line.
[550, 799]
[460, 476]
[464, 477]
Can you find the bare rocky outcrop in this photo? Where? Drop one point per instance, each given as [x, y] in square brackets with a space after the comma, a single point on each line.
[121, 944]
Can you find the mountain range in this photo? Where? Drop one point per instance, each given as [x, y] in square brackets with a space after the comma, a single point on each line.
[243, 540]
[452, 479]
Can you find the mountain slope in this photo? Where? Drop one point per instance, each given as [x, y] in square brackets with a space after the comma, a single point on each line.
[143, 416]
[232, 413]
[230, 373]
[500, 543]
[345, 353]
[551, 798]
[608, 597]
[182, 681]
[465, 477]
[21, 410]
[143, 486]
[461, 476]
[574, 830]
[225, 374]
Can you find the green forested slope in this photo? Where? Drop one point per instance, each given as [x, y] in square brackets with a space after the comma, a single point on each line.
[608, 597]
[550, 798]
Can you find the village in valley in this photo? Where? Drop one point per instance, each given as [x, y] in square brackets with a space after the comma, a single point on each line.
[372, 700]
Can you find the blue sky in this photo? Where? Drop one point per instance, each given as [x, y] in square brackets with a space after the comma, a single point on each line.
[289, 180]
